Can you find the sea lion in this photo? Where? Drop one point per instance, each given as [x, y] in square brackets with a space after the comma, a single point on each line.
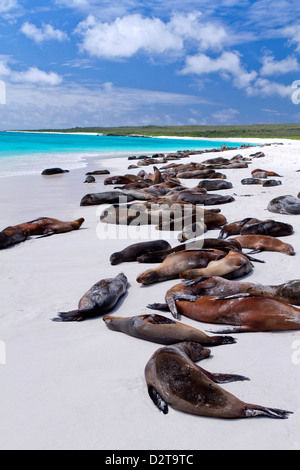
[257, 155]
[285, 205]
[268, 183]
[98, 300]
[10, 240]
[244, 312]
[234, 265]
[90, 179]
[251, 181]
[252, 226]
[53, 171]
[173, 379]
[44, 226]
[260, 243]
[98, 172]
[121, 179]
[260, 174]
[191, 231]
[214, 185]
[132, 252]
[108, 197]
[269, 173]
[175, 263]
[162, 330]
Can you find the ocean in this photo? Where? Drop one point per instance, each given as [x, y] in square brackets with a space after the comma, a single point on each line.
[30, 153]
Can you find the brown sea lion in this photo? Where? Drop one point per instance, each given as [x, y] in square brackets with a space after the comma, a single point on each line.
[216, 286]
[132, 252]
[269, 173]
[234, 265]
[98, 172]
[285, 205]
[245, 312]
[44, 226]
[53, 171]
[260, 243]
[13, 239]
[173, 379]
[252, 226]
[214, 185]
[107, 197]
[162, 330]
[119, 179]
[175, 263]
[99, 300]
[90, 179]
[234, 228]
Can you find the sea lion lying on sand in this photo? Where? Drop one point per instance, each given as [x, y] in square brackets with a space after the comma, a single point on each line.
[252, 226]
[132, 252]
[16, 237]
[99, 300]
[54, 171]
[173, 379]
[285, 205]
[260, 243]
[108, 197]
[44, 226]
[162, 330]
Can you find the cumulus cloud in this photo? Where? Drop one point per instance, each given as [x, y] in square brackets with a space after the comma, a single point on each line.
[228, 64]
[32, 75]
[130, 34]
[293, 33]
[45, 33]
[272, 67]
[8, 5]
[265, 87]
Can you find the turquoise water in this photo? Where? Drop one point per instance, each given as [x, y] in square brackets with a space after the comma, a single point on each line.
[29, 153]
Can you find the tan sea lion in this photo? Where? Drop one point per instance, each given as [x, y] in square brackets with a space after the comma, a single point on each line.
[45, 226]
[162, 330]
[173, 379]
[245, 312]
[175, 263]
[234, 265]
[269, 173]
[260, 243]
[98, 300]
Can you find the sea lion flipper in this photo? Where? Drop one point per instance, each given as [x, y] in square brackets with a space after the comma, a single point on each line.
[234, 296]
[227, 378]
[73, 315]
[158, 306]
[253, 410]
[157, 400]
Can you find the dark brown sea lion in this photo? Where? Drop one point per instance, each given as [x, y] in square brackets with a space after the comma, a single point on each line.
[252, 226]
[285, 205]
[108, 197]
[173, 379]
[10, 240]
[98, 172]
[175, 263]
[132, 252]
[268, 183]
[90, 179]
[234, 228]
[265, 243]
[44, 226]
[54, 171]
[245, 312]
[162, 330]
[269, 173]
[234, 265]
[99, 300]
[214, 185]
[121, 179]
[251, 181]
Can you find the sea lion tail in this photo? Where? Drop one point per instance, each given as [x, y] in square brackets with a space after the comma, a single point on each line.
[254, 410]
[73, 315]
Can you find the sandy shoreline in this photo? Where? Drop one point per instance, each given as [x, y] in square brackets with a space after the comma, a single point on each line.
[80, 385]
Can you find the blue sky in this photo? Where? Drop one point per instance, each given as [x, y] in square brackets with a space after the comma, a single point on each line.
[115, 63]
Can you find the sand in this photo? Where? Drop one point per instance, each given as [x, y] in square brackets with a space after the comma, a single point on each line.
[81, 386]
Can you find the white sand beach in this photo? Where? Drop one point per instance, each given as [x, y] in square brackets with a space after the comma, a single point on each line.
[80, 386]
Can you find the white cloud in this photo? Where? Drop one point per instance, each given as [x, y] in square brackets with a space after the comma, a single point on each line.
[8, 5]
[45, 33]
[32, 75]
[225, 116]
[293, 33]
[265, 87]
[280, 67]
[228, 64]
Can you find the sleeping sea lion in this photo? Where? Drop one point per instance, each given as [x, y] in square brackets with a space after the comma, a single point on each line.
[234, 265]
[245, 312]
[108, 197]
[173, 379]
[269, 173]
[252, 226]
[53, 171]
[175, 263]
[44, 226]
[285, 205]
[16, 237]
[132, 252]
[98, 300]
[214, 185]
[162, 330]
[90, 179]
[260, 243]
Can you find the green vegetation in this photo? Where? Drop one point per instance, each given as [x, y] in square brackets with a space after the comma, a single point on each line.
[289, 131]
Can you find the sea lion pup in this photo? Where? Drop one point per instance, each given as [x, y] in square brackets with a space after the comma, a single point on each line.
[44, 226]
[90, 179]
[217, 286]
[107, 197]
[162, 330]
[173, 379]
[100, 299]
[260, 243]
[232, 266]
[214, 185]
[13, 239]
[246, 313]
[285, 205]
[132, 252]
[175, 263]
[206, 243]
